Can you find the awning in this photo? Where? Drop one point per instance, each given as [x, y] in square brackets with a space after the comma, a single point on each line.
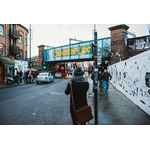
[6, 61]
[38, 67]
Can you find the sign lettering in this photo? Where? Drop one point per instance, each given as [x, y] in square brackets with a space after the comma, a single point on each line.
[73, 51]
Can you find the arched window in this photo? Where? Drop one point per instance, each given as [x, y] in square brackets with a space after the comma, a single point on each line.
[1, 30]
[21, 53]
[20, 39]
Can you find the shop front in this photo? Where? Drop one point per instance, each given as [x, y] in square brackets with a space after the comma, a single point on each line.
[6, 67]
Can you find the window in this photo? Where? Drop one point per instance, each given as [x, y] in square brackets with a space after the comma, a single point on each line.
[12, 28]
[26, 54]
[20, 39]
[12, 42]
[21, 52]
[25, 42]
[1, 30]
[2, 50]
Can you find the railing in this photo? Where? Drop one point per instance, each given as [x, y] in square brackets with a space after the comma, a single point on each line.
[13, 49]
[14, 33]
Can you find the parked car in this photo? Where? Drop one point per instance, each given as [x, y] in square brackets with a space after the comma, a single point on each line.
[58, 75]
[44, 77]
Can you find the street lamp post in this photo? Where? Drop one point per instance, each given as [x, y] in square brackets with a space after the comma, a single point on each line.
[30, 46]
[95, 72]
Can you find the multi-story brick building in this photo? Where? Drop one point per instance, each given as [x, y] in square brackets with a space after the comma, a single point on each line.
[13, 46]
[13, 41]
[41, 55]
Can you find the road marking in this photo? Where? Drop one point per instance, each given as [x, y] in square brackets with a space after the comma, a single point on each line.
[57, 93]
[58, 83]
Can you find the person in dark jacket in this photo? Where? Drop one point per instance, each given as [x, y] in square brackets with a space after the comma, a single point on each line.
[100, 79]
[79, 88]
[92, 77]
[105, 78]
[20, 75]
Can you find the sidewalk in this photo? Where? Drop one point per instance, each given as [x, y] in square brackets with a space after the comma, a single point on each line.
[116, 108]
[4, 85]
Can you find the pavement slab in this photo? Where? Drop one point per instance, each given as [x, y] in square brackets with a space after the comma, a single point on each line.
[116, 108]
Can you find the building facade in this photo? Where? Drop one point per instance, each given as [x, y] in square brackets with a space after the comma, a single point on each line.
[41, 55]
[34, 61]
[119, 43]
[138, 45]
[13, 48]
[13, 41]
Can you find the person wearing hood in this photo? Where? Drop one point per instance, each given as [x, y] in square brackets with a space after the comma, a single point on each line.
[79, 88]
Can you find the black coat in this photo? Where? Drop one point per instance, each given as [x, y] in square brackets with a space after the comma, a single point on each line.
[106, 76]
[79, 94]
[100, 76]
[92, 76]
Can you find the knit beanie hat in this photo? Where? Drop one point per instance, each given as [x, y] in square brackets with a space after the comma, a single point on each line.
[78, 72]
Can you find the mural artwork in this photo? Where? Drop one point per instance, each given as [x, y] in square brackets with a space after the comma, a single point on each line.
[132, 77]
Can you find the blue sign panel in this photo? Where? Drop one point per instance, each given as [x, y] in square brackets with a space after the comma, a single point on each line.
[80, 50]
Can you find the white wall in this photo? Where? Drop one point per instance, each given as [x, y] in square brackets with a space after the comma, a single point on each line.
[129, 77]
[23, 65]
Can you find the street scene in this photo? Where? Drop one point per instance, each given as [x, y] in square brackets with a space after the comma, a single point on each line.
[109, 75]
[47, 104]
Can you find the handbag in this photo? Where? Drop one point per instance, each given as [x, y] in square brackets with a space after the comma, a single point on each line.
[83, 114]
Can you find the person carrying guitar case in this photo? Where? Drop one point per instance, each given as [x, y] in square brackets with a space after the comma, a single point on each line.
[79, 88]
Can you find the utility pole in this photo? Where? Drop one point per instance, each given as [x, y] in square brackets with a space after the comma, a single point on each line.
[30, 46]
[95, 71]
[94, 52]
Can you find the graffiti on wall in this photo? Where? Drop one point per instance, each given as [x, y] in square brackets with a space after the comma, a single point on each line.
[132, 77]
[139, 43]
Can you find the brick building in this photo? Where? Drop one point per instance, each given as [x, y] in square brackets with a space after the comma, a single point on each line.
[13, 47]
[34, 61]
[118, 42]
[41, 55]
[122, 47]
[13, 41]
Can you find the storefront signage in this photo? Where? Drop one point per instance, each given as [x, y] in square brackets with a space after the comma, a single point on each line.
[73, 51]
[76, 51]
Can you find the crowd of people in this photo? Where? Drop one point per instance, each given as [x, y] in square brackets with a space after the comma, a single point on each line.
[103, 79]
[28, 75]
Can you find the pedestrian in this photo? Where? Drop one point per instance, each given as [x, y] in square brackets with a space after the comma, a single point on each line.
[20, 75]
[26, 76]
[79, 88]
[90, 68]
[100, 79]
[105, 78]
[92, 77]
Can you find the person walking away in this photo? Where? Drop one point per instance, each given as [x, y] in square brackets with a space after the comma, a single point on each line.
[105, 78]
[26, 76]
[100, 79]
[92, 77]
[20, 75]
[90, 68]
[79, 88]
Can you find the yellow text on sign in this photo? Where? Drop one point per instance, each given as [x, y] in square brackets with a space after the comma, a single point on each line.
[72, 52]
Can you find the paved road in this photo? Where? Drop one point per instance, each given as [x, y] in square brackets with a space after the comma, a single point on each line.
[35, 104]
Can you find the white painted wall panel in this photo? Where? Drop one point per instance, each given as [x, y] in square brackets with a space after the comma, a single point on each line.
[132, 78]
